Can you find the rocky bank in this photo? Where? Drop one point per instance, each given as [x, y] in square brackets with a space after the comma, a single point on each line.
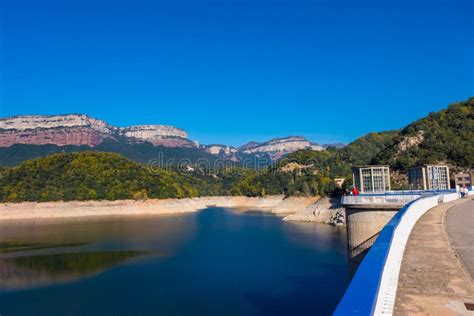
[325, 210]
[298, 207]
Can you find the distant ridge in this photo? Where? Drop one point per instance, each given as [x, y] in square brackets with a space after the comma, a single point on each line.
[334, 145]
[80, 129]
[445, 136]
[29, 136]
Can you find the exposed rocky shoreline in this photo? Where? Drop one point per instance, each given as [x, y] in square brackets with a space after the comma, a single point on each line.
[311, 209]
[325, 210]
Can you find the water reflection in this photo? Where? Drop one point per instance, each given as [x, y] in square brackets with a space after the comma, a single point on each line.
[66, 250]
[213, 262]
[6, 247]
[164, 233]
[33, 271]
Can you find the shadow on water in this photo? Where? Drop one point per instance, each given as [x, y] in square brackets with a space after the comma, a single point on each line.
[6, 247]
[355, 262]
[296, 301]
[358, 253]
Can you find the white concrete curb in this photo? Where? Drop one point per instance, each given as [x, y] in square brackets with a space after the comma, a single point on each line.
[389, 281]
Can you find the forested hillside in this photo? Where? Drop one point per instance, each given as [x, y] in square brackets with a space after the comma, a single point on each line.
[98, 176]
[446, 136]
[363, 150]
[139, 152]
[91, 176]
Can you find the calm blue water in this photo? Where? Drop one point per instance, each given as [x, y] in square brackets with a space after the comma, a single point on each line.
[214, 262]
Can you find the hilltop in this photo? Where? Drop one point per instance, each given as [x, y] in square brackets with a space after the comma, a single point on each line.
[109, 176]
[95, 176]
[446, 136]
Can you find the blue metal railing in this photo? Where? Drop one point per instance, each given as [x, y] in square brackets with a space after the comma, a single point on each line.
[394, 198]
[361, 295]
[407, 192]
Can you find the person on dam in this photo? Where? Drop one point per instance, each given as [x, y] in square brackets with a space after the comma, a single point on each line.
[464, 191]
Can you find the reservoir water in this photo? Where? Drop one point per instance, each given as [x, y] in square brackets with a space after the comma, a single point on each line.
[213, 262]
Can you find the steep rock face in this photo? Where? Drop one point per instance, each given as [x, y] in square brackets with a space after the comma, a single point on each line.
[62, 130]
[279, 147]
[59, 136]
[171, 141]
[287, 144]
[159, 135]
[27, 122]
[258, 152]
[249, 146]
[78, 129]
[219, 149]
[150, 132]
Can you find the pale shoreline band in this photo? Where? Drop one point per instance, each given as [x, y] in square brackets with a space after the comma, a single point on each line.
[60, 209]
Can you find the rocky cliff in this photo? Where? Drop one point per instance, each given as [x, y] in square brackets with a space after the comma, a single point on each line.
[28, 122]
[159, 135]
[77, 129]
[279, 147]
[62, 130]
[219, 149]
[325, 210]
[58, 136]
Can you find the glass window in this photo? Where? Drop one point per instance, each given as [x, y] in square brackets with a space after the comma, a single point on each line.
[366, 180]
[438, 177]
[378, 177]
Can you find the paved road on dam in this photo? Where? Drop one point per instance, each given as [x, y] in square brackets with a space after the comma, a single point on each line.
[433, 281]
[460, 228]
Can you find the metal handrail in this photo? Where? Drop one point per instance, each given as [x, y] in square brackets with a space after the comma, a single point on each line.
[374, 285]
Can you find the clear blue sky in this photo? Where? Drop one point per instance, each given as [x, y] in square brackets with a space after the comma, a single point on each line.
[234, 71]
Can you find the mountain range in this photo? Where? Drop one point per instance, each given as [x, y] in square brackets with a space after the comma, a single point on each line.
[102, 171]
[29, 136]
[446, 136]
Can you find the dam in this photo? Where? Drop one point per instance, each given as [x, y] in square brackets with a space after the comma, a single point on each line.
[367, 214]
[378, 231]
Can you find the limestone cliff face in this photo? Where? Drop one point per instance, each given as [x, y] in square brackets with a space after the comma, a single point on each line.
[159, 135]
[153, 131]
[28, 122]
[279, 147]
[219, 149]
[58, 136]
[273, 149]
[62, 130]
[77, 129]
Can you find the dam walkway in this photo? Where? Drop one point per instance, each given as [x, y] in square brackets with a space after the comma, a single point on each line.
[460, 228]
[413, 267]
[436, 271]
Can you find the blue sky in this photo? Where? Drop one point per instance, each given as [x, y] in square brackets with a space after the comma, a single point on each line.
[235, 71]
